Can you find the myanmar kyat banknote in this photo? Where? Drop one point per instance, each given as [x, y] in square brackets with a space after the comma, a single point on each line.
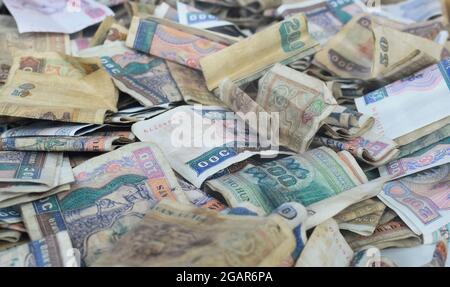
[199, 142]
[432, 156]
[57, 16]
[422, 199]
[52, 251]
[398, 108]
[173, 234]
[111, 193]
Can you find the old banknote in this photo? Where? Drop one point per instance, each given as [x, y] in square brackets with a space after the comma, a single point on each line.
[64, 144]
[405, 99]
[10, 215]
[52, 251]
[111, 194]
[43, 128]
[54, 86]
[192, 85]
[360, 209]
[29, 171]
[145, 78]
[432, 156]
[13, 197]
[370, 147]
[364, 225]
[300, 178]
[295, 96]
[283, 42]
[421, 199]
[56, 16]
[392, 234]
[169, 43]
[200, 237]
[200, 141]
[326, 247]
[198, 197]
[325, 17]
[8, 235]
[425, 141]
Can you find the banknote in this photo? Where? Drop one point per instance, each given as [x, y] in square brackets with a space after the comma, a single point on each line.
[52, 251]
[300, 178]
[440, 254]
[350, 53]
[429, 157]
[347, 118]
[295, 96]
[191, 16]
[325, 17]
[147, 79]
[200, 141]
[11, 40]
[111, 194]
[64, 144]
[117, 33]
[394, 60]
[192, 85]
[364, 225]
[10, 215]
[360, 209]
[200, 237]
[10, 235]
[425, 141]
[435, 236]
[420, 199]
[196, 196]
[64, 178]
[415, 10]
[392, 234]
[284, 42]
[43, 128]
[326, 247]
[56, 16]
[58, 87]
[370, 148]
[405, 99]
[169, 43]
[29, 171]
[366, 257]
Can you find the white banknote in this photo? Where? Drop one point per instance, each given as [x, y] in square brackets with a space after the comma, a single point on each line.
[56, 16]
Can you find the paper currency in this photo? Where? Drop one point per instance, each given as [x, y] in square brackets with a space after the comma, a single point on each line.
[29, 171]
[116, 33]
[192, 85]
[326, 247]
[9, 235]
[370, 148]
[111, 194]
[425, 141]
[297, 178]
[364, 225]
[58, 16]
[201, 238]
[432, 156]
[420, 199]
[392, 234]
[283, 43]
[145, 78]
[58, 87]
[405, 99]
[10, 215]
[203, 141]
[415, 10]
[360, 209]
[295, 96]
[325, 17]
[52, 251]
[169, 43]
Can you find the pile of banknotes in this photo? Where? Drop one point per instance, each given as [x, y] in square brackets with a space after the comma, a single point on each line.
[224, 133]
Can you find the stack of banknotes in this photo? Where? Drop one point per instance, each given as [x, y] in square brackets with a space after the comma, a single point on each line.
[224, 133]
